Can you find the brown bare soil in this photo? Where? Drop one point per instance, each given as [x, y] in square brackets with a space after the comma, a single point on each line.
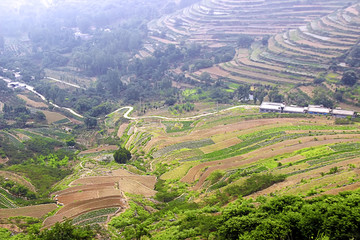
[148, 181]
[88, 194]
[101, 148]
[11, 227]
[32, 103]
[164, 140]
[308, 90]
[135, 187]
[52, 117]
[121, 130]
[36, 211]
[164, 40]
[83, 188]
[3, 160]
[23, 137]
[77, 208]
[121, 172]
[215, 71]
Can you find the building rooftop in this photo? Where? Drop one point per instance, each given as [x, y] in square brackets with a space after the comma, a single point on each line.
[317, 109]
[271, 106]
[343, 112]
[294, 109]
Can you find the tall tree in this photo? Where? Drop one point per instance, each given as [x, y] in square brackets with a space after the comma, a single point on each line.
[349, 78]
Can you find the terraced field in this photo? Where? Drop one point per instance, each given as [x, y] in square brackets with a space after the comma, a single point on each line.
[91, 200]
[316, 155]
[219, 21]
[297, 55]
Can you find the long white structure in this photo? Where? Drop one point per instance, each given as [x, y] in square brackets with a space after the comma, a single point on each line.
[311, 109]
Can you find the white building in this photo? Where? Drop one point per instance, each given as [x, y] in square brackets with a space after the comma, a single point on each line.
[293, 109]
[271, 107]
[318, 109]
[343, 113]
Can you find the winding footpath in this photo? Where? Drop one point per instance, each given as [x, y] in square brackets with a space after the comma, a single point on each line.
[130, 109]
[32, 89]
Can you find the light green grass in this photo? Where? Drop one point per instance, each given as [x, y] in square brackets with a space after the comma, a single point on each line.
[178, 172]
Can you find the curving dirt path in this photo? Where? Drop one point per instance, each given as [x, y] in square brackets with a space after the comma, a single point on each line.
[130, 109]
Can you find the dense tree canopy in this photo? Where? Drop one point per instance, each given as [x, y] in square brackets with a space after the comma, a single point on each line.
[349, 78]
[122, 155]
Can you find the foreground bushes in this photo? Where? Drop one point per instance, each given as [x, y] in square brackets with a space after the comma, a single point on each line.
[291, 217]
[255, 183]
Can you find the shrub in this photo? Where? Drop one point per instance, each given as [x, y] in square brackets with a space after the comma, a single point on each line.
[122, 155]
[255, 183]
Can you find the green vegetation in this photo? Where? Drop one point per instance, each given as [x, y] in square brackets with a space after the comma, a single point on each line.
[65, 231]
[122, 155]
[254, 183]
[181, 108]
[152, 57]
[86, 217]
[42, 177]
[180, 126]
[267, 218]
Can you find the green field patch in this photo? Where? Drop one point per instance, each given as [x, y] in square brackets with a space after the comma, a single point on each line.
[181, 154]
[232, 85]
[179, 126]
[94, 214]
[6, 199]
[96, 220]
[14, 141]
[299, 128]
[62, 121]
[179, 146]
[42, 177]
[345, 147]
[49, 132]
[178, 172]
[188, 92]
[332, 77]
[314, 152]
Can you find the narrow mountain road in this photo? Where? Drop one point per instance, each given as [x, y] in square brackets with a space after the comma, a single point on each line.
[66, 83]
[130, 109]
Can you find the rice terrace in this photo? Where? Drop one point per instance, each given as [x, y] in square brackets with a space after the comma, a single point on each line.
[180, 119]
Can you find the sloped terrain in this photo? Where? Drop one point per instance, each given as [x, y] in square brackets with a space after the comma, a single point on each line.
[88, 194]
[217, 21]
[297, 55]
[316, 155]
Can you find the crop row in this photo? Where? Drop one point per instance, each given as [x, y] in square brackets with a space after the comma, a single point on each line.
[189, 145]
[294, 128]
[101, 219]
[253, 142]
[94, 214]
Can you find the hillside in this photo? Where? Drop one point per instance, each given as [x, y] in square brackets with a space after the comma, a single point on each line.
[139, 119]
[221, 21]
[299, 55]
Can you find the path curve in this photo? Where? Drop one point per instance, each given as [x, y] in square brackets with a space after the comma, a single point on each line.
[130, 109]
[32, 89]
